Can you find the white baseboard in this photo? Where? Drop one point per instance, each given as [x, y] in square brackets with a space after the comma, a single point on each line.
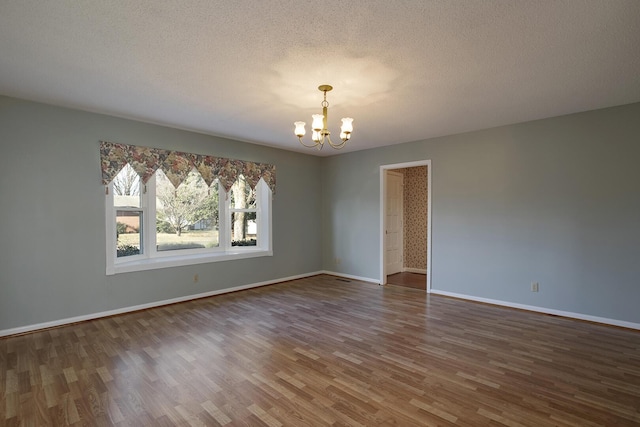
[349, 276]
[415, 270]
[92, 316]
[569, 314]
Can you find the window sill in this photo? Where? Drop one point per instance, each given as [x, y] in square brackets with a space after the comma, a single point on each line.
[181, 260]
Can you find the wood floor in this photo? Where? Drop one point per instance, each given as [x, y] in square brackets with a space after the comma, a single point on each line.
[323, 351]
[408, 280]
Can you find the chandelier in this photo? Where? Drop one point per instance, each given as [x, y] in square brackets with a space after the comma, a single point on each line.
[320, 134]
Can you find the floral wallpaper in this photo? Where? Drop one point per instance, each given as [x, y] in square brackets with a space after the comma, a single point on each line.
[415, 218]
[176, 165]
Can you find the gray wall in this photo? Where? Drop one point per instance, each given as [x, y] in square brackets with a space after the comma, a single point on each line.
[52, 256]
[555, 201]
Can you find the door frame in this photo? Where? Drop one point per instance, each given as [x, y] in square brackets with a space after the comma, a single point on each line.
[383, 217]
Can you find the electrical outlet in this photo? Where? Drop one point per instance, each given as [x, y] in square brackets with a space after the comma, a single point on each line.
[338, 261]
[195, 278]
[534, 286]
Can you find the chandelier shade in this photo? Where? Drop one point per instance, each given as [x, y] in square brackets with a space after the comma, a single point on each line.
[320, 134]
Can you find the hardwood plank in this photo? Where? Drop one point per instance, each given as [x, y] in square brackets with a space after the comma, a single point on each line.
[408, 280]
[321, 351]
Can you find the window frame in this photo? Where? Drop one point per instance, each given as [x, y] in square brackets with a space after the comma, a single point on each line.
[150, 258]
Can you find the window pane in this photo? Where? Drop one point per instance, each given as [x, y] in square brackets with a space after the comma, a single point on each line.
[244, 229]
[126, 188]
[242, 196]
[128, 232]
[186, 217]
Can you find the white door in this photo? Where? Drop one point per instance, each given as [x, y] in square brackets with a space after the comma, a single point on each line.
[393, 232]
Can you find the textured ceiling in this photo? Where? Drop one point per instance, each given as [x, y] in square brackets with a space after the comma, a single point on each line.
[404, 70]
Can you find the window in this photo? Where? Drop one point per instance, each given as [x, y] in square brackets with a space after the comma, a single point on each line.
[186, 217]
[243, 212]
[157, 225]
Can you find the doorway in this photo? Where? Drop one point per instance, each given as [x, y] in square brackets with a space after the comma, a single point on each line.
[405, 224]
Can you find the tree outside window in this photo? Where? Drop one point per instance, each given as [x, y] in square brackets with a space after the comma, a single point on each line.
[243, 214]
[187, 216]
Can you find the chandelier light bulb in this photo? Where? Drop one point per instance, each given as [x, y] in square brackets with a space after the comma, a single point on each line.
[318, 122]
[300, 131]
[347, 125]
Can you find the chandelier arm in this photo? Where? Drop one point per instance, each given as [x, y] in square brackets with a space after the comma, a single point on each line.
[336, 146]
[315, 145]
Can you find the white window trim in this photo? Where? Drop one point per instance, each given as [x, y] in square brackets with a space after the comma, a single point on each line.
[151, 259]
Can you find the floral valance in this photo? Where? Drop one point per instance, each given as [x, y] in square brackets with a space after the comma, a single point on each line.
[177, 165]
